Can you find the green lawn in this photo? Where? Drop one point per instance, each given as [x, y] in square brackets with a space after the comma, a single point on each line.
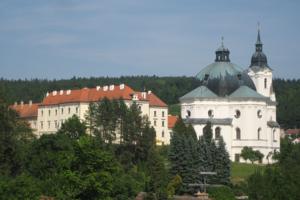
[240, 171]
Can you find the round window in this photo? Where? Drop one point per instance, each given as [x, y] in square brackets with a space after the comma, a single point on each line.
[210, 113]
[259, 115]
[237, 114]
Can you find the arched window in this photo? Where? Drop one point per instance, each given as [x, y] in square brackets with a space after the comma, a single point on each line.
[210, 113]
[259, 114]
[188, 112]
[237, 114]
[258, 133]
[265, 82]
[217, 133]
[238, 133]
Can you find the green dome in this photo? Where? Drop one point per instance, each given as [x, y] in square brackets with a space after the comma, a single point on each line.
[223, 77]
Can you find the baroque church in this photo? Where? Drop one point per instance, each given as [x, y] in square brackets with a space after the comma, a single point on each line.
[240, 104]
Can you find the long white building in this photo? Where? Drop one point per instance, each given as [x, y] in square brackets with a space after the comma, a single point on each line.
[57, 106]
[240, 104]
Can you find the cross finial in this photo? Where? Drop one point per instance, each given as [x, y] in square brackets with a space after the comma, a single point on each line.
[258, 26]
[222, 38]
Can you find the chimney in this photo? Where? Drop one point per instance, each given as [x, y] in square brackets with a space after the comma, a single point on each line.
[54, 93]
[144, 95]
[111, 87]
[98, 88]
[30, 103]
[149, 92]
[16, 103]
[47, 94]
[68, 92]
[22, 104]
[122, 86]
[105, 88]
[61, 92]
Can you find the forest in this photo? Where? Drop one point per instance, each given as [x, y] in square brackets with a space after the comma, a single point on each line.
[169, 89]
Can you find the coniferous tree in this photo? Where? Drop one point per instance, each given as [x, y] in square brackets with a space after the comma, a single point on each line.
[222, 163]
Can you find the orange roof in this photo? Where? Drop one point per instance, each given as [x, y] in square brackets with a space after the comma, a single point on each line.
[87, 95]
[152, 98]
[95, 94]
[172, 121]
[26, 110]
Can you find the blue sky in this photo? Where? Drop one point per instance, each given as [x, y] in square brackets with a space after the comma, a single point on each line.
[66, 38]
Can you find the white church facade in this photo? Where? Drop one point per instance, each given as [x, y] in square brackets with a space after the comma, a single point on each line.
[239, 104]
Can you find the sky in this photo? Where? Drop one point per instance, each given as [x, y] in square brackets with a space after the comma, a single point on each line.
[57, 39]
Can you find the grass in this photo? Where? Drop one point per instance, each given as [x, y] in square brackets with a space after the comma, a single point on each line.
[241, 171]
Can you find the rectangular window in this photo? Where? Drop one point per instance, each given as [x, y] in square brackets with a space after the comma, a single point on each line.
[154, 113]
[163, 123]
[42, 112]
[154, 122]
[55, 111]
[69, 110]
[162, 134]
[49, 112]
[237, 157]
[163, 113]
[49, 123]
[56, 124]
[42, 125]
[62, 111]
[76, 109]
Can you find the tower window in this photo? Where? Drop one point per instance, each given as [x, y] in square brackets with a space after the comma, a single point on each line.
[188, 112]
[265, 83]
[258, 133]
[217, 133]
[238, 133]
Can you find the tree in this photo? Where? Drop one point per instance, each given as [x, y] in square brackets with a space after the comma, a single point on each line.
[249, 154]
[222, 163]
[50, 155]
[73, 128]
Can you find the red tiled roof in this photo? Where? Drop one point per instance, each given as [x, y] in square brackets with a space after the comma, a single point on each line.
[292, 131]
[152, 98]
[26, 110]
[172, 121]
[87, 95]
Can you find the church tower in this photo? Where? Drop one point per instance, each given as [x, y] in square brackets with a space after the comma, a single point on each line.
[260, 72]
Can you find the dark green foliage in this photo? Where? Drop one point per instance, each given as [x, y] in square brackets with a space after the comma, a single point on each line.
[50, 155]
[249, 154]
[221, 193]
[222, 163]
[73, 128]
[279, 181]
[188, 156]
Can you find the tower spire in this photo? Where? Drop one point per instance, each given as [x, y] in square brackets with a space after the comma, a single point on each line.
[259, 58]
[258, 41]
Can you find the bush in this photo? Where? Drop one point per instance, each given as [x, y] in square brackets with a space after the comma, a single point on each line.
[221, 193]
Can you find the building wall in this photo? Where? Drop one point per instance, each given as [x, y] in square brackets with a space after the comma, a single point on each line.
[252, 123]
[262, 81]
[50, 118]
[158, 117]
